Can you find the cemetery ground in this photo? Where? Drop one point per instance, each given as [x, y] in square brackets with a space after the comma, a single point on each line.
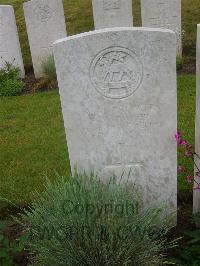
[34, 147]
[33, 139]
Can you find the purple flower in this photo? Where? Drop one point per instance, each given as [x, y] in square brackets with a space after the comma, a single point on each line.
[180, 141]
[182, 169]
[189, 153]
[178, 138]
[178, 134]
[198, 187]
[189, 178]
[184, 143]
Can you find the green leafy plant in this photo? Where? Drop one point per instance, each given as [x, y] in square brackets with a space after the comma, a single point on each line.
[188, 152]
[83, 221]
[179, 63]
[189, 255]
[49, 69]
[10, 83]
[10, 249]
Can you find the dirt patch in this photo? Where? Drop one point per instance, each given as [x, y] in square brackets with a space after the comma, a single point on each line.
[33, 85]
[13, 232]
[189, 66]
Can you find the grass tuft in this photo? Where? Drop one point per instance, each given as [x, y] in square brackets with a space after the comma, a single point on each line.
[82, 221]
[49, 69]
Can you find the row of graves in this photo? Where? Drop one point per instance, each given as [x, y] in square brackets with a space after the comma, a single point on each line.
[45, 23]
[118, 88]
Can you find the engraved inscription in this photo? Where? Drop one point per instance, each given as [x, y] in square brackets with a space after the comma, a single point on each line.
[111, 4]
[120, 160]
[147, 116]
[91, 110]
[47, 49]
[164, 20]
[116, 72]
[3, 52]
[43, 12]
[121, 164]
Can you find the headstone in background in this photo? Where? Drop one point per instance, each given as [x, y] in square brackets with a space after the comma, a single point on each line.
[45, 23]
[112, 13]
[163, 14]
[10, 50]
[119, 103]
[196, 193]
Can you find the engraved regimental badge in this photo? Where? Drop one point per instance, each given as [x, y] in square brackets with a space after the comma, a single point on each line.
[116, 72]
[43, 12]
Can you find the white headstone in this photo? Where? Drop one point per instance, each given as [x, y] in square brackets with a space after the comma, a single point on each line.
[163, 14]
[45, 23]
[10, 50]
[118, 96]
[196, 193]
[112, 13]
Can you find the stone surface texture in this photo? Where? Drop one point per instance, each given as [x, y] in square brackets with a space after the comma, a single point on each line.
[196, 193]
[112, 13]
[163, 14]
[119, 103]
[45, 24]
[10, 50]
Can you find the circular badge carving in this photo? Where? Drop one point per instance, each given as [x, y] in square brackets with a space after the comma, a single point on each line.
[116, 72]
[43, 12]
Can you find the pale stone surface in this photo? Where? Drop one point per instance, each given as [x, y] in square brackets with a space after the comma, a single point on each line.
[196, 194]
[112, 13]
[163, 14]
[118, 96]
[45, 24]
[10, 50]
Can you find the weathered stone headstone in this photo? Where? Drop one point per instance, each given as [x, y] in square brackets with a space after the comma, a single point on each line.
[112, 13]
[163, 14]
[118, 95]
[196, 193]
[45, 23]
[10, 50]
